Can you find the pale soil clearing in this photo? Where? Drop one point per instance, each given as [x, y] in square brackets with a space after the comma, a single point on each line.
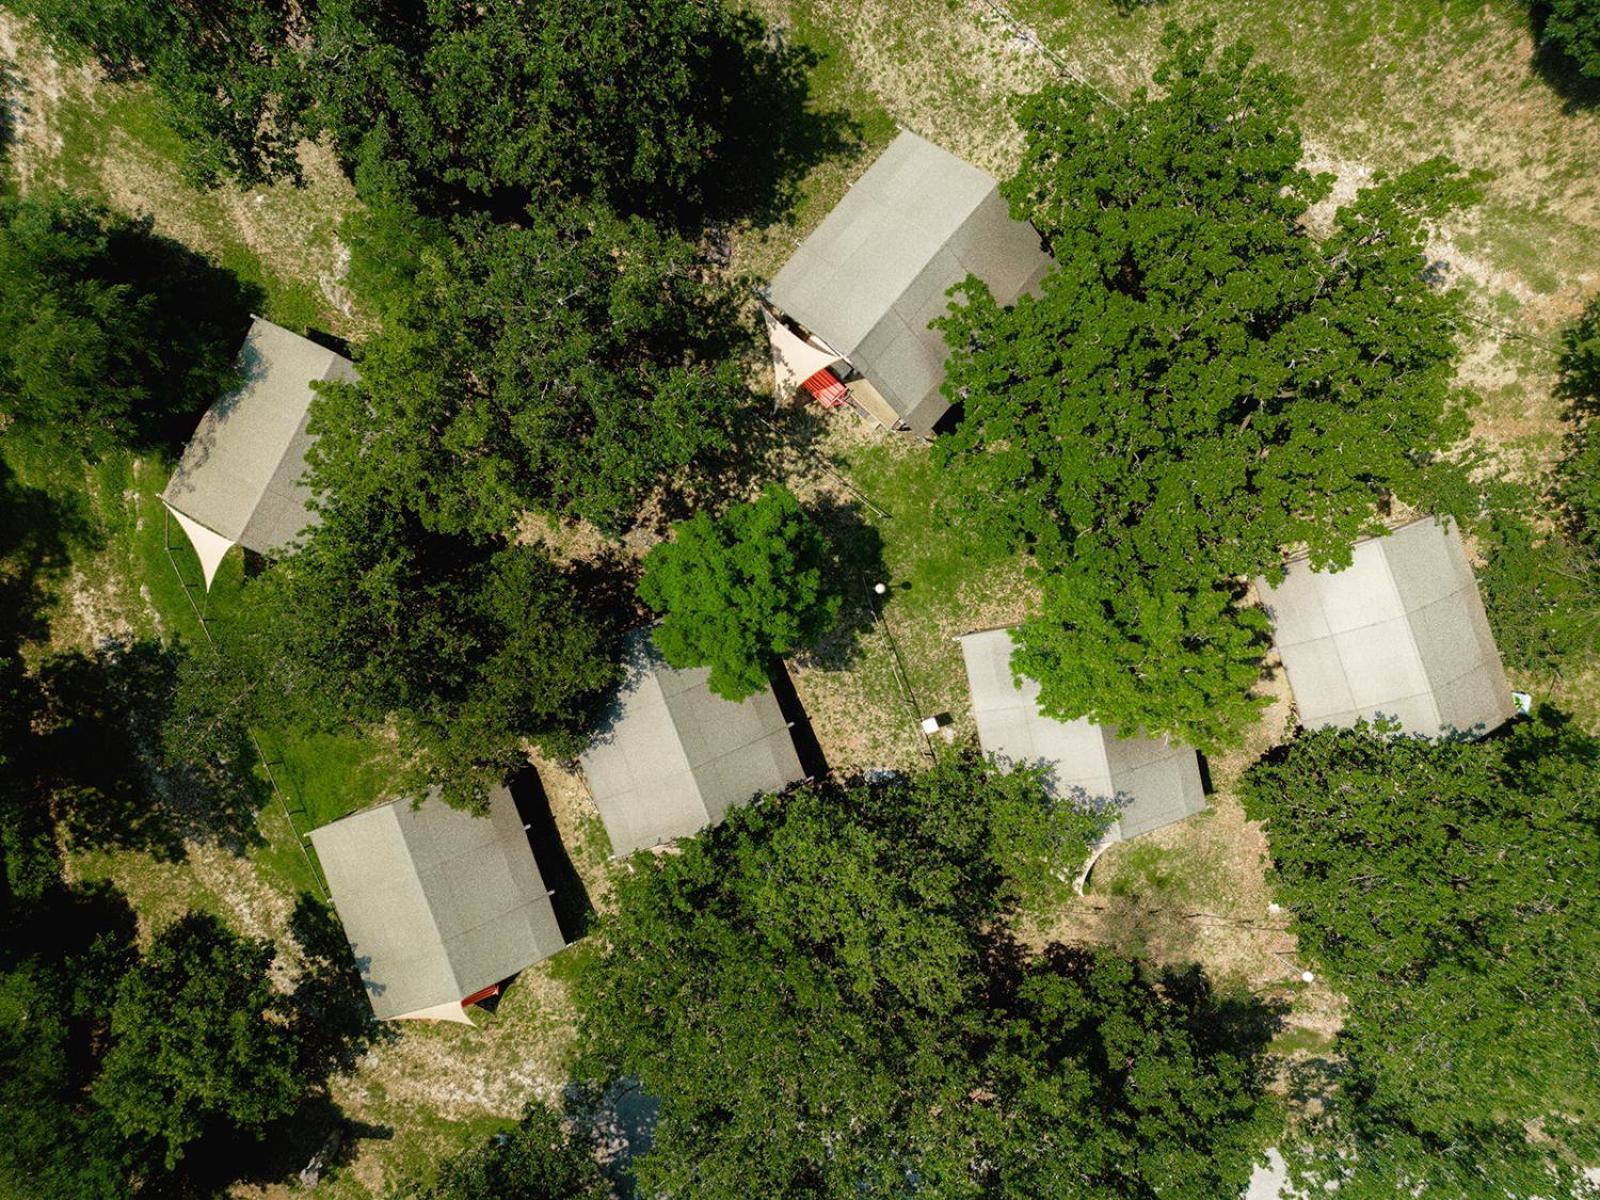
[34, 83]
[1199, 891]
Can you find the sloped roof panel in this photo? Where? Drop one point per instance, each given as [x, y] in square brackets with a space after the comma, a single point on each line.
[1400, 633]
[673, 757]
[241, 475]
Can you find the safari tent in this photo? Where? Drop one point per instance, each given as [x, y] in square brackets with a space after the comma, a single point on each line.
[1400, 633]
[672, 757]
[241, 480]
[439, 905]
[858, 295]
[1152, 782]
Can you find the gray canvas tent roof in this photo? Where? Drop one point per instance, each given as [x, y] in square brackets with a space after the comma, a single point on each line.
[673, 758]
[1399, 633]
[1153, 781]
[875, 272]
[240, 476]
[437, 903]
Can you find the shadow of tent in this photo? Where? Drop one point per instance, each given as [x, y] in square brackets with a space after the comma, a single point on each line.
[570, 899]
[806, 746]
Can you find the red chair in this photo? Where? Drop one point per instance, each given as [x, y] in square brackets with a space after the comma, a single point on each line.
[826, 389]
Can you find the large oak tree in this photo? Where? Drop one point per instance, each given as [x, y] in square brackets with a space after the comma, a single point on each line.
[1202, 383]
[568, 364]
[1451, 890]
[825, 997]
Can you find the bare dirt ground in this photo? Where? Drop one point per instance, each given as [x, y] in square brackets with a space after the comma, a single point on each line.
[1198, 891]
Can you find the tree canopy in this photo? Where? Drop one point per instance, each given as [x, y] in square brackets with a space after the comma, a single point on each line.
[1541, 575]
[824, 996]
[224, 71]
[1573, 28]
[472, 647]
[652, 104]
[1578, 474]
[109, 335]
[200, 1035]
[1201, 384]
[125, 1073]
[659, 106]
[567, 365]
[741, 589]
[1451, 890]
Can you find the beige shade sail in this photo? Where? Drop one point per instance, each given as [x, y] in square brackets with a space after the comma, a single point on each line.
[794, 359]
[208, 545]
[450, 1010]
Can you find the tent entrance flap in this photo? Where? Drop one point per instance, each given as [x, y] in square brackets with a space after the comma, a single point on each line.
[209, 546]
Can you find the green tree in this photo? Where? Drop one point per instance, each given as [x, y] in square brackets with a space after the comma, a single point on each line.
[1578, 475]
[1451, 890]
[1180, 660]
[1573, 28]
[472, 647]
[569, 365]
[741, 589]
[535, 1160]
[64, 951]
[223, 71]
[825, 998]
[1541, 591]
[651, 103]
[109, 335]
[1200, 384]
[1541, 573]
[200, 1040]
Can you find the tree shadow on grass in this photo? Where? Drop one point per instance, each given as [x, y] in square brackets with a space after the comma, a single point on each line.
[1313, 1080]
[204, 314]
[117, 779]
[1578, 386]
[1557, 68]
[301, 1151]
[10, 86]
[39, 530]
[858, 550]
[774, 134]
[333, 1016]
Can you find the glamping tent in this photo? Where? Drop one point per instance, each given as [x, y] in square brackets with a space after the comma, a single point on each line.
[673, 757]
[1153, 781]
[439, 905]
[864, 287]
[1399, 633]
[239, 482]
